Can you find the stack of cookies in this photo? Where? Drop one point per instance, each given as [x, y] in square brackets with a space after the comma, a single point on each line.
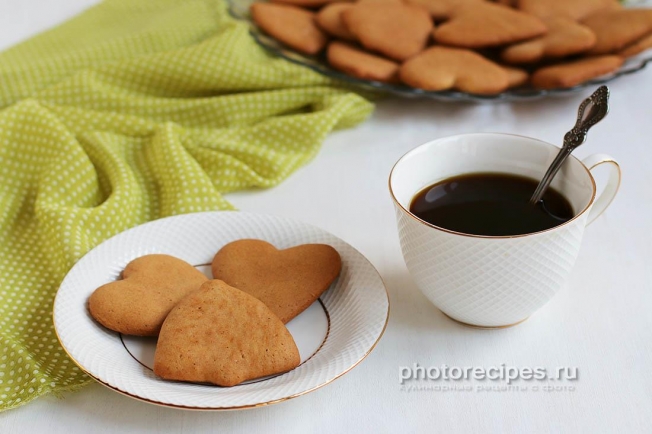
[222, 331]
[476, 46]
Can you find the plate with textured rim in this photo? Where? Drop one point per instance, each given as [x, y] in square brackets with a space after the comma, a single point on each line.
[335, 334]
[239, 9]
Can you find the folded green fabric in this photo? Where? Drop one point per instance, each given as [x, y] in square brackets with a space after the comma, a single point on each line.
[135, 110]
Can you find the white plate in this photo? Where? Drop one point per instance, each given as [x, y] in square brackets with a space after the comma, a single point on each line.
[333, 335]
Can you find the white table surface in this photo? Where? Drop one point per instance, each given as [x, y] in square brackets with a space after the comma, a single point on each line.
[600, 323]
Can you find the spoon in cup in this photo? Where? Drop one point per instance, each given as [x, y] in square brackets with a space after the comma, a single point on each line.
[591, 111]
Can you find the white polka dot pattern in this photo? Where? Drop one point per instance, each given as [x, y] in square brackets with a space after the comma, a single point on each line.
[357, 304]
[134, 110]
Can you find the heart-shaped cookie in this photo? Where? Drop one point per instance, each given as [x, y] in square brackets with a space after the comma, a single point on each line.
[308, 3]
[569, 74]
[441, 9]
[330, 20]
[287, 281]
[515, 76]
[347, 58]
[150, 287]
[637, 47]
[222, 335]
[616, 29]
[396, 30]
[442, 68]
[573, 9]
[291, 25]
[565, 37]
[487, 25]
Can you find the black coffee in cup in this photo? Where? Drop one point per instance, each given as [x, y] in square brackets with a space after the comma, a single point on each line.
[491, 204]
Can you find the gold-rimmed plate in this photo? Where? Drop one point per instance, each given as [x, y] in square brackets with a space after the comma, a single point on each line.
[333, 335]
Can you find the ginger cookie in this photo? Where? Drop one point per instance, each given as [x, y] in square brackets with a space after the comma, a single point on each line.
[487, 25]
[441, 9]
[223, 336]
[396, 30]
[637, 47]
[516, 77]
[309, 3]
[287, 281]
[617, 29]
[443, 68]
[293, 26]
[571, 74]
[565, 37]
[330, 20]
[573, 9]
[378, 1]
[357, 63]
[150, 287]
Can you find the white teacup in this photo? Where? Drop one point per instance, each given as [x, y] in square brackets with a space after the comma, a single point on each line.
[494, 281]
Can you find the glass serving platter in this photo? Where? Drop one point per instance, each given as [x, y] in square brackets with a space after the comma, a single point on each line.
[240, 10]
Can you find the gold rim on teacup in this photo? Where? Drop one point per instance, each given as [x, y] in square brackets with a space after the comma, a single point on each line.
[588, 206]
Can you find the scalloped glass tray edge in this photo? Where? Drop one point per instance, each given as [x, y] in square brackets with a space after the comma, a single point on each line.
[239, 9]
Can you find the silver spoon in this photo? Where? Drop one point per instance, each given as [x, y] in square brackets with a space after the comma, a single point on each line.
[591, 111]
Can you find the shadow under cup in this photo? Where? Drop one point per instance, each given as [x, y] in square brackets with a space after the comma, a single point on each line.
[488, 281]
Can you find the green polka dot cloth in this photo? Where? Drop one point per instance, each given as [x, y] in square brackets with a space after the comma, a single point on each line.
[132, 111]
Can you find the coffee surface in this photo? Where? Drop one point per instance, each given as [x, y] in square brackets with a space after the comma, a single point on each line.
[492, 204]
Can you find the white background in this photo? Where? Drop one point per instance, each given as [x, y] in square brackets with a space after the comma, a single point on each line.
[600, 323]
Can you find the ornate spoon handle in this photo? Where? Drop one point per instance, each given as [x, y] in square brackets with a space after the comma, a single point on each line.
[591, 111]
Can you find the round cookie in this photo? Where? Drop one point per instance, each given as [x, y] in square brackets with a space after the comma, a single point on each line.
[292, 26]
[443, 68]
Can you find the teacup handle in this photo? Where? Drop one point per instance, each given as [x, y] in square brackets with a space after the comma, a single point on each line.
[604, 200]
